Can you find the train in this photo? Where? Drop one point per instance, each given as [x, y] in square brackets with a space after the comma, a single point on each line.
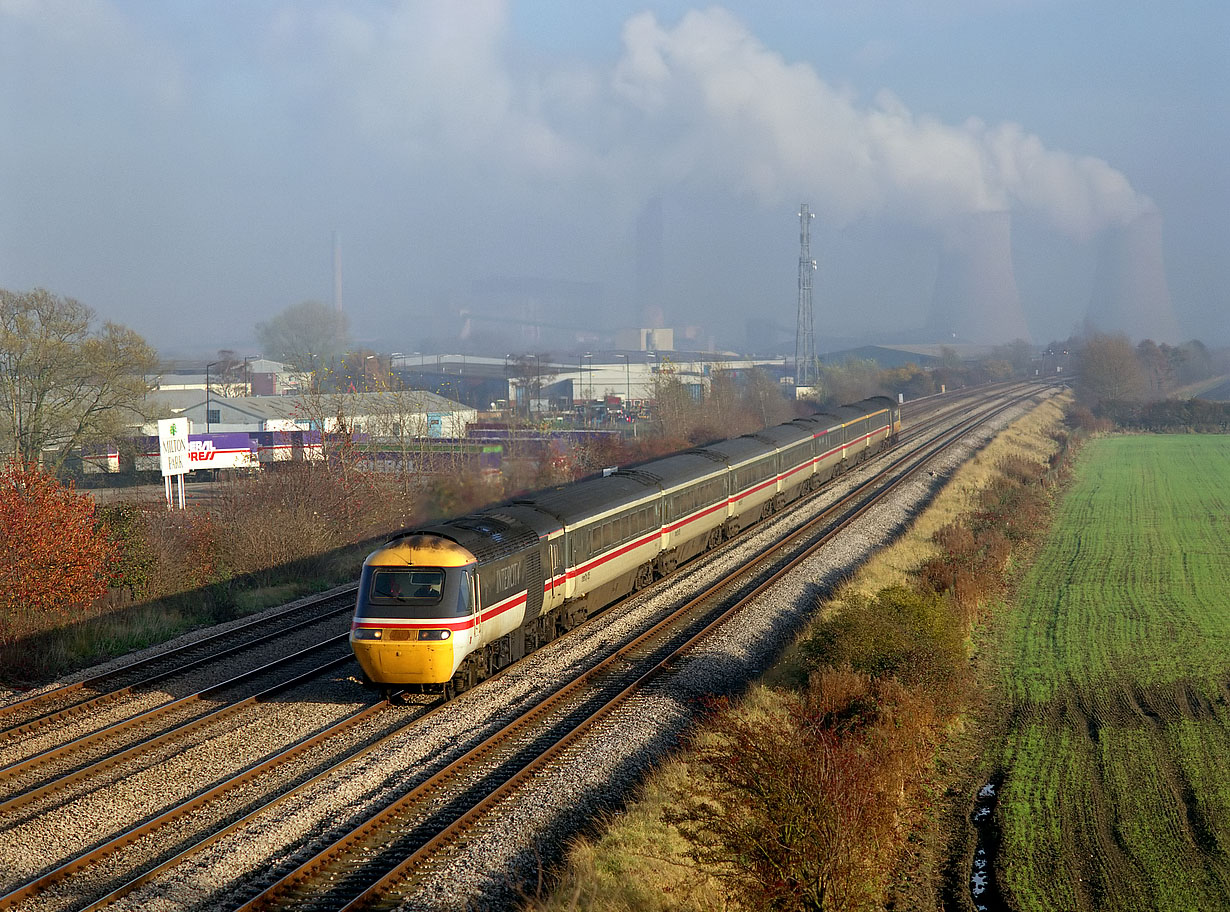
[443, 606]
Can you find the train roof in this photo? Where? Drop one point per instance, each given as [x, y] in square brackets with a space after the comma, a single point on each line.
[485, 536]
[819, 422]
[678, 469]
[578, 502]
[542, 523]
[783, 435]
[875, 403]
[738, 449]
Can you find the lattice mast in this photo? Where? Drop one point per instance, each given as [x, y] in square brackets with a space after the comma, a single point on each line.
[805, 373]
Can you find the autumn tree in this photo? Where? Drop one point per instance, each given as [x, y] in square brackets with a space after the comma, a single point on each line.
[56, 561]
[675, 407]
[63, 383]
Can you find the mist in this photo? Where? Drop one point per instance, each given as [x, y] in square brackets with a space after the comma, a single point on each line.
[187, 178]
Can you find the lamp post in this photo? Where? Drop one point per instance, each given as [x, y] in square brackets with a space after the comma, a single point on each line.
[366, 385]
[511, 398]
[207, 367]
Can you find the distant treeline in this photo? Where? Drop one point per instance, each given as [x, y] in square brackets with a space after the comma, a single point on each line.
[1168, 416]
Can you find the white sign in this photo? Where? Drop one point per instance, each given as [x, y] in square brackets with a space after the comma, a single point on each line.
[173, 445]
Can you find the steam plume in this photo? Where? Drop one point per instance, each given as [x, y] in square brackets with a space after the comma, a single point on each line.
[725, 108]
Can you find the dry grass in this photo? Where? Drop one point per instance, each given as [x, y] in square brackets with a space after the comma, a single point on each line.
[1029, 436]
[638, 863]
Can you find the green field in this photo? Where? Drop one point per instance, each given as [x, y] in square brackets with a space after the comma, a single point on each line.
[1116, 667]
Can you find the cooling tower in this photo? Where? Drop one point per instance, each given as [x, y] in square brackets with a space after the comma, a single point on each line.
[1129, 290]
[976, 298]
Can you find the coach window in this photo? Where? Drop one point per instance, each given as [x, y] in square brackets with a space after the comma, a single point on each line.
[466, 599]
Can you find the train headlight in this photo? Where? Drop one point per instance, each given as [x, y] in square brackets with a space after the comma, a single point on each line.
[435, 634]
[367, 633]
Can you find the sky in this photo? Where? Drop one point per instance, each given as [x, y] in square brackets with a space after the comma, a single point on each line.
[492, 173]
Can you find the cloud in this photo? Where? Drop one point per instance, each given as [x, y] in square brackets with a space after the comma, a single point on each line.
[700, 105]
[429, 80]
[52, 39]
[729, 110]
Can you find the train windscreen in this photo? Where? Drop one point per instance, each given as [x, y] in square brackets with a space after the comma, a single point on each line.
[407, 587]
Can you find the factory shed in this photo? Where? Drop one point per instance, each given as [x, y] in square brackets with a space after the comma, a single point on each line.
[383, 415]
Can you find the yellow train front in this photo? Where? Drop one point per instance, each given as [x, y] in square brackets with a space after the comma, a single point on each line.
[414, 615]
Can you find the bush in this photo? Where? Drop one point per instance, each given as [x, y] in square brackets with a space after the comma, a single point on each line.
[912, 636]
[794, 807]
[133, 569]
[56, 561]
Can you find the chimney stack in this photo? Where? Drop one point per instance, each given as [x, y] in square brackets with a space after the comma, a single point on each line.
[337, 272]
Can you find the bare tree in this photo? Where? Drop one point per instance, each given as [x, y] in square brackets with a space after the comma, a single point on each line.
[306, 336]
[764, 399]
[228, 378]
[400, 426]
[62, 384]
[529, 377]
[675, 409]
[1155, 366]
[1109, 369]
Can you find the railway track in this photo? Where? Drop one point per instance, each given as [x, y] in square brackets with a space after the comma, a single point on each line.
[21, 717]
[127, 860]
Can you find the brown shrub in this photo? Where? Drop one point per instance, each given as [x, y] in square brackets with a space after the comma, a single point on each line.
[795, 808]
[1081, 417]
[1021, 469]
[955, 539]
[994, 547]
